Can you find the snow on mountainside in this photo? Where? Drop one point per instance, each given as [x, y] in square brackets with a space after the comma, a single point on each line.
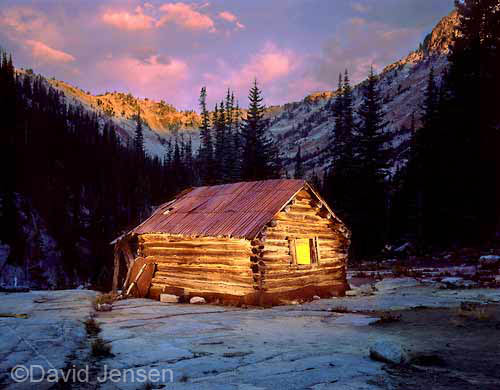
[309, 123]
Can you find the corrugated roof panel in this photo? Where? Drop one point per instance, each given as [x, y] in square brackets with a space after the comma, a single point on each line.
[236, 210]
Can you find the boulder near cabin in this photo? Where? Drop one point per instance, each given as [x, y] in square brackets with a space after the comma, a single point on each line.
[255, 243]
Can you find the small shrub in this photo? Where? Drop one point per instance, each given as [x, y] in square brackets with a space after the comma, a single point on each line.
[401, 270]
[92, 327]
[469, 306]
[147, 386]
[387, 318]
[474, 314]
[104, 298]
[100, 349]
[340, 309]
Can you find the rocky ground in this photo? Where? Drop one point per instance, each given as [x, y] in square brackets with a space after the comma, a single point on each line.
[439, 338]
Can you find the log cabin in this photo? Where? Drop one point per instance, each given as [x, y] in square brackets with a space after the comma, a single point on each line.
[254, 243]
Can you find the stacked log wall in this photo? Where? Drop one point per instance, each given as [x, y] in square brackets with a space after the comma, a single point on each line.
[304, 217]
[205, 266]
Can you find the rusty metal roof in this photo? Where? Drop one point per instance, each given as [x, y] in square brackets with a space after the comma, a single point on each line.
[234, 210]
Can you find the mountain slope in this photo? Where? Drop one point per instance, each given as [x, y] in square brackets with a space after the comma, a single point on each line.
[161, 120]
[310, 123]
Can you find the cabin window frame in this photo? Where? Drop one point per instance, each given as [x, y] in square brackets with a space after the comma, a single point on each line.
[313, 248]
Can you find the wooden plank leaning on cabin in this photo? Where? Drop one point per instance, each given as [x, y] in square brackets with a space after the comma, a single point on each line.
[122, 248]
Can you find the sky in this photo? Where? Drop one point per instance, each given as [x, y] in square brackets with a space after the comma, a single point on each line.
[166, 50]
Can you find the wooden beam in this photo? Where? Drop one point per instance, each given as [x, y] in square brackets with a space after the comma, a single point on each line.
[116, 268]
[127, 253]
[291, 243]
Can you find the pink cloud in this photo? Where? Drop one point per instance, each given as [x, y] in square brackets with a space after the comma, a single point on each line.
[43, 53]
[128, 21]
[153, 77]
[270, 66]
[185, 15]
[231, 18]
[228, 16]
[357, 21]
[22, 19]
[22, 23]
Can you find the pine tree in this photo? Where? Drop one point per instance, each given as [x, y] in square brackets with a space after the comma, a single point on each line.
[342, 147]
[87, 204]
[206, 156]
[299, 169]
[372, 155]
[315, 181]
[236, 163]
[347, 114]
[230, 154]
[473, 84]
[341, 184]
[259, 159]
[430, 105]
[424, 169]
[219, 125]
[338, 114]
[370, 171]
[139, 136]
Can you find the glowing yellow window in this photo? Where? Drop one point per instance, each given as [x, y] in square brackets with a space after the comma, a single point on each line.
[303, 251]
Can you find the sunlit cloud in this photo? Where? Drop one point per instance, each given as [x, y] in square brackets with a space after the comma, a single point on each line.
[21, 23]
[269, 65]
[128, 21]
[22, 19]
[231, 18]
[152, 70]
[43, 53]
[186, 16]
[153, 77]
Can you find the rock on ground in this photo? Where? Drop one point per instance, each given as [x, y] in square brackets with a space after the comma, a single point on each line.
[388, 352]
[104, 307]
[489, 260]
[390, 284]
[169, 298]
[197, 300]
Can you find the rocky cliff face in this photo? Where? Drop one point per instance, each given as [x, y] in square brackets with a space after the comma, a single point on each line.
[310, 123]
